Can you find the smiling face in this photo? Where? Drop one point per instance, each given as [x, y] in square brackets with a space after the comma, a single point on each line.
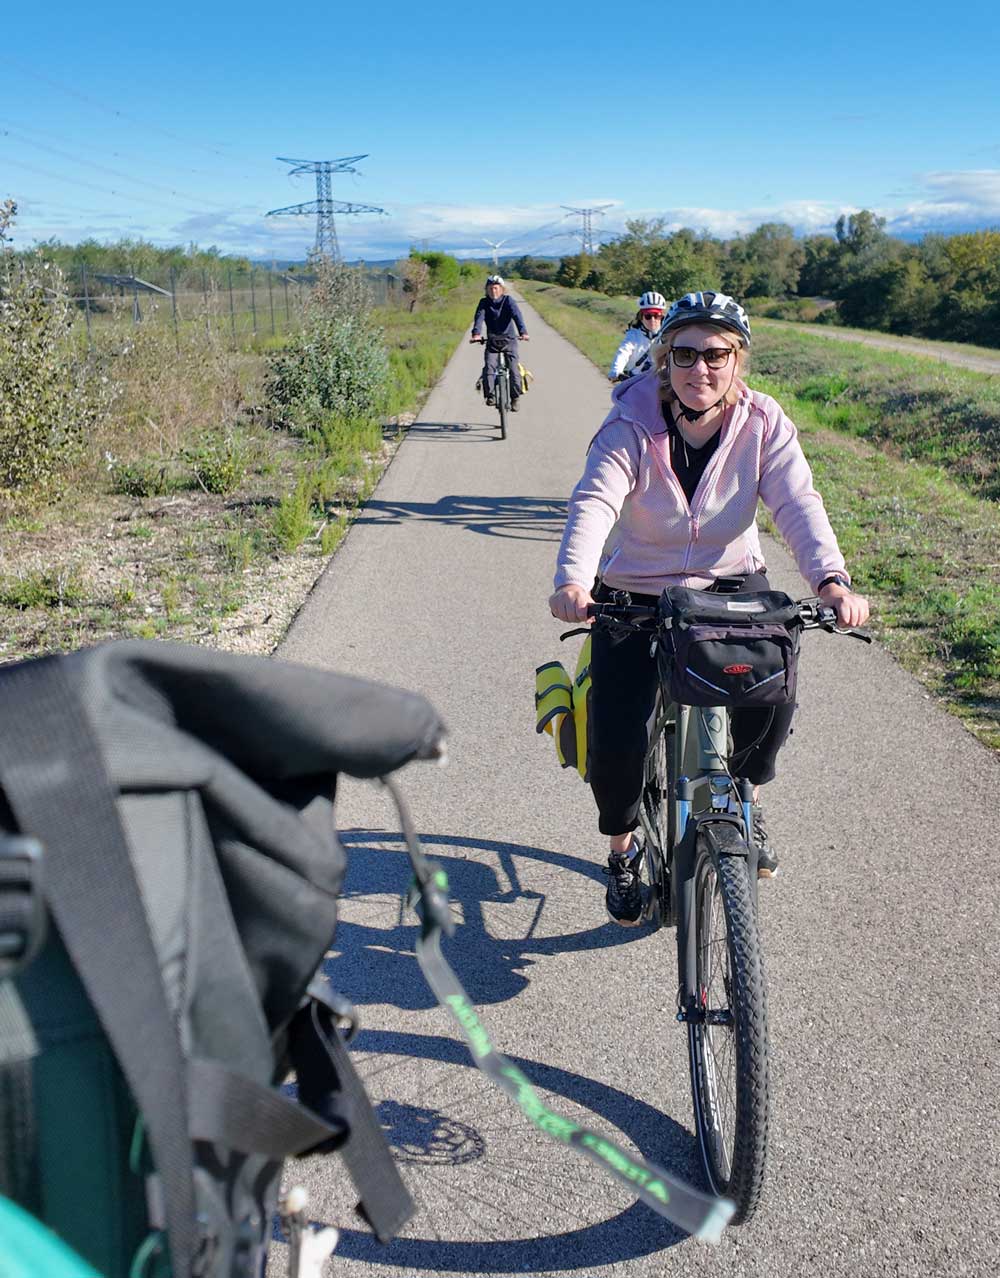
[699, 387]
[651, 320]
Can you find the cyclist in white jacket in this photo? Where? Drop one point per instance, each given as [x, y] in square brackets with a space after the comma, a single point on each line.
[633, 354]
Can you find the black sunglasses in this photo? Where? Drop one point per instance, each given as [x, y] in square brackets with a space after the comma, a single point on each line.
[687, 356]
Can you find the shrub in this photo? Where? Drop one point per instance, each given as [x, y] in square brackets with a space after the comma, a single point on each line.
[48, 398]
[336, 364]
[144, 477]
[220, 464]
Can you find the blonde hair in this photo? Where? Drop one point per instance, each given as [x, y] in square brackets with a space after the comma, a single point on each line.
[662, 354]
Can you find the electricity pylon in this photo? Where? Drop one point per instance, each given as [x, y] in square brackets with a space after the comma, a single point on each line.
[324, 206]
[586, 231]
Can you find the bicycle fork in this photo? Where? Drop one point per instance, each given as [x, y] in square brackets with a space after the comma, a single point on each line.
[722, 827]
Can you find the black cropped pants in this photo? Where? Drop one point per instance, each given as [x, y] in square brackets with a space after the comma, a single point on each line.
[623, 691]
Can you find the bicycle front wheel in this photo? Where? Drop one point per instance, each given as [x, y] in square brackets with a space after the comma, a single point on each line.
[503, 399]
[727, 1035]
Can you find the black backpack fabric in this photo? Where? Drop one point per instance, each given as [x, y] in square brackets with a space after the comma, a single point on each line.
[169, 871]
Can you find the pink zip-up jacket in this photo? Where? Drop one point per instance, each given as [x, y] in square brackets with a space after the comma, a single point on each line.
[631, 524]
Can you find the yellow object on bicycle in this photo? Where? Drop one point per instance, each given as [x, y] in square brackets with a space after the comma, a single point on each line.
[562, 706]
[527, 376]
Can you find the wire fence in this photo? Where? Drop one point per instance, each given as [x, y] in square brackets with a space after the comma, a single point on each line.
[233, 305]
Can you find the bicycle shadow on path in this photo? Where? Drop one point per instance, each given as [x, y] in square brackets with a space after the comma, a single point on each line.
[425, 1137]
[525, 518]
[454, 432]
[376, 962]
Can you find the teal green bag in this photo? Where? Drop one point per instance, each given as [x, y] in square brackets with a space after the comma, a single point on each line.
[28, 1249]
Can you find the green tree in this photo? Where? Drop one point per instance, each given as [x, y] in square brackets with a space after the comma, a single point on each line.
[770, 261]
[820, 274]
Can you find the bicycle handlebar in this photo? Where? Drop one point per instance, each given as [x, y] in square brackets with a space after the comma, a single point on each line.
[813, 614]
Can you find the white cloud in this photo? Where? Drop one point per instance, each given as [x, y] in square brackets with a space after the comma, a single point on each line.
[946, 201]
[954, 201]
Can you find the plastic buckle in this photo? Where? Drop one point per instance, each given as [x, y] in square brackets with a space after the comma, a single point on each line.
[23, 917]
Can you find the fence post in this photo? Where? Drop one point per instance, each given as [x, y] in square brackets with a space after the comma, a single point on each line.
[232, 312]
[253, 302]
[173, 304]
[288, 313]
[86, 308]
[270, 297]
[204, 294]
[136, 313]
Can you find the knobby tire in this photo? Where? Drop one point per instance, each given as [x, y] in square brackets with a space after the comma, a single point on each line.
[503, 401]
[729, 1064]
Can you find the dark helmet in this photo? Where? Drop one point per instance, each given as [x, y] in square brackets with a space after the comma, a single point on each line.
[707, 308]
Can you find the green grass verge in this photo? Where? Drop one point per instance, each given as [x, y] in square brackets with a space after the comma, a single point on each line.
[906, 456]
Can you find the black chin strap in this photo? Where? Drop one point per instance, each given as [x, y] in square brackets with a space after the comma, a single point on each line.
[692, 414]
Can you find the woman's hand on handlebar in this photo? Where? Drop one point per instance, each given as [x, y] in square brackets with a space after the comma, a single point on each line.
[851, 609]
[569, 603]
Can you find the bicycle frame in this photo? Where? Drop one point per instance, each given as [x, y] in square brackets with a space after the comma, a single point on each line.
[704, 788]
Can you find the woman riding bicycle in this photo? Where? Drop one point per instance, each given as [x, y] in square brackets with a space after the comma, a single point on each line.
[632, 355]
[669, 497]
[502, 317]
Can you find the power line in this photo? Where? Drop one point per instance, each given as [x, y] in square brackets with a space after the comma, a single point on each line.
[111, 110]
[92, 186]
[34, 134]
[104, 168]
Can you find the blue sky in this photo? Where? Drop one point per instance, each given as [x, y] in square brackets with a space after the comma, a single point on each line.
[480, 122]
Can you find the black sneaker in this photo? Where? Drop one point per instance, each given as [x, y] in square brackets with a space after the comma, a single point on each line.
[767, 858]
[514, 406]
[491, 401]
[623, 899]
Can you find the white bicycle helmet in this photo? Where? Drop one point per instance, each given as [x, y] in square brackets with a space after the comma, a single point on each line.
[495, 279]
[708, 308]
[652, 302]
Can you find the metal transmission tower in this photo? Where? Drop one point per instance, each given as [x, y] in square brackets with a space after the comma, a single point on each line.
[324, 206]
[586, 231]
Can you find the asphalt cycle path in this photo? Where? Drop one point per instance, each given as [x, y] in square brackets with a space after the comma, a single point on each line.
[943, 353]
[880, 933]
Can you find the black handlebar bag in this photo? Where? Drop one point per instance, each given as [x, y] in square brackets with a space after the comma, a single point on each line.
[169, 871]
[729, 650]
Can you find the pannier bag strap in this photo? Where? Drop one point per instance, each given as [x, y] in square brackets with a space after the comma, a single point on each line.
[329, 1085]
[232, 1110]
[58, 791]
[699, 1214]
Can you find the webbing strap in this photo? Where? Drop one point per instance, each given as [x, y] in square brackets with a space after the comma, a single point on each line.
[699, 1214]
[19, 1178]
[326, 1075]
[235, 1111]
[51, 772]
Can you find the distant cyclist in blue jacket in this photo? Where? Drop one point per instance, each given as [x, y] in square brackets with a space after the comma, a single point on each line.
[502, 318]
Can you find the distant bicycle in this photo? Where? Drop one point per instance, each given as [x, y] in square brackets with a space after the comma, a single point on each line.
[501, 398]
[699, 863]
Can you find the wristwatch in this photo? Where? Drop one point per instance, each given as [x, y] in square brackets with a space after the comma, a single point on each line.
[834, 578]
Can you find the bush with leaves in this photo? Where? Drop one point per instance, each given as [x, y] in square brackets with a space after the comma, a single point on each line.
[338, 363]
[48, 397]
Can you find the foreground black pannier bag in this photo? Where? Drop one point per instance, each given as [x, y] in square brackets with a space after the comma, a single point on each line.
[729, 650]
[165, 905]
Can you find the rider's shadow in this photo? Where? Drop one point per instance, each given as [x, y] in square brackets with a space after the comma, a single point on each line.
[373, 956]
